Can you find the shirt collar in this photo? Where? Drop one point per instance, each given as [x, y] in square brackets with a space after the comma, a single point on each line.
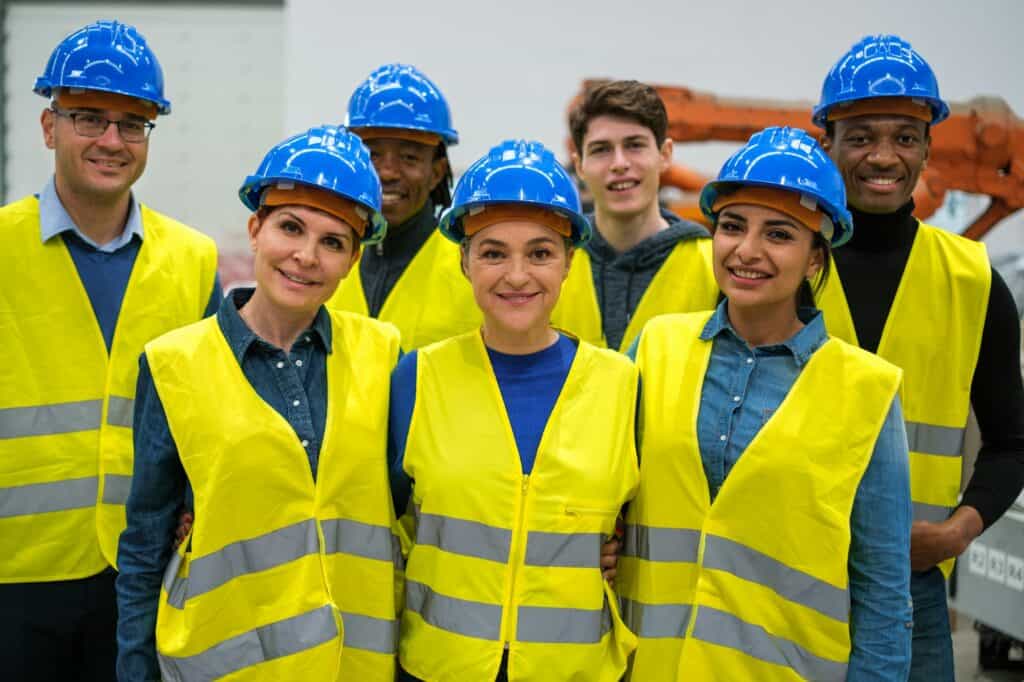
[240, 338]
[801, 345]
[54, 220]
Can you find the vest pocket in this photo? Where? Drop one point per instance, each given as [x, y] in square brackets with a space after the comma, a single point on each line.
[591, 509]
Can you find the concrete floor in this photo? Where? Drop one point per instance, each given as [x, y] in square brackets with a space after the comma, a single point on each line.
[965, 651]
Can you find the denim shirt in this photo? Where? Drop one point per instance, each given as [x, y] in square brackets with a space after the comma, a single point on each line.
[742, 388]
[294, 384]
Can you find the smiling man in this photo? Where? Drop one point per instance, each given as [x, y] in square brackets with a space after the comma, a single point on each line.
[87, 276]
[643, 260]
[929, 302]
[412, 278]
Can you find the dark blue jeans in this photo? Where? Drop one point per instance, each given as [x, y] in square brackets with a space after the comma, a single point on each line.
[502, 672]
[932, 647]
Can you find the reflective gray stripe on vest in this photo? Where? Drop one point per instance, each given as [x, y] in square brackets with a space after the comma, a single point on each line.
[276, 640]
[370, 634]
[461, 616]
[116, 488]
[120, 411]
[41, 498]
[545, 624]
[563, 550]
[247, 556]
[929, 439]
[467, 538]
[656, 620]
[661, 544]
[357, 538]
[718, 627]
[931, 512]
[796, 586]
[48, 420]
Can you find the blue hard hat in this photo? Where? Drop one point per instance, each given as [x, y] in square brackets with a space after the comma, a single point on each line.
[326, 157]
[789, 159]
[516, 172]
[108, 56]
[401, 96]
[880, 66]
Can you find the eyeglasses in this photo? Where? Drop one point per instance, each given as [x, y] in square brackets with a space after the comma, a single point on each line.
[89, 124]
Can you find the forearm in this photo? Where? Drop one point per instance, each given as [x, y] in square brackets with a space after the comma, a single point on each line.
[880, 608]
[997, 396]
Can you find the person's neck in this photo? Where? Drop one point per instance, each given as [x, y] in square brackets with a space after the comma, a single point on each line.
[517, 342]
[883, 231]
[764, 325]
[272, 324]
[623, 232]
[101, 219]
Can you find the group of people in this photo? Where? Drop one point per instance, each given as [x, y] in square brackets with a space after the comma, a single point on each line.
[470, 433]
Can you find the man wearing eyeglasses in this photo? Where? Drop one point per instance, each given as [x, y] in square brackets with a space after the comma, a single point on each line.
[88, 275]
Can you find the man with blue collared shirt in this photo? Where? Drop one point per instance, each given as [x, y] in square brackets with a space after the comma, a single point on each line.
[87, 276]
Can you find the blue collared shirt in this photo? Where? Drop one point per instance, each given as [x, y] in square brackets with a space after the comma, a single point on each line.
[54, 220]
[294, 384]
[742, 388]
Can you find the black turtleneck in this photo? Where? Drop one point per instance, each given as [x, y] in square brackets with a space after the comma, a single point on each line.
[871, 265]
[382, 265]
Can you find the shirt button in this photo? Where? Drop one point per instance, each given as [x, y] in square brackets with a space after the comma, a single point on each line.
[280, 365]
[305, 442]
[721, 438]
[295, 403]
[750, 361]
[735, 398]
[307, 338]
[298, 363]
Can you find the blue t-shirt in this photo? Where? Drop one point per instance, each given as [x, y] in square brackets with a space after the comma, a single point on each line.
[530, 385]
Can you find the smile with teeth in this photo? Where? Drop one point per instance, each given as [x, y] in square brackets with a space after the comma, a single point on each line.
[517, 297]
[297, 280]
[623, 185]
[881, 181]
[748, 274]
[107, 163]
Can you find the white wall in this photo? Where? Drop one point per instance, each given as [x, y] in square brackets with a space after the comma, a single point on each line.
[242, 78]
[223, 72]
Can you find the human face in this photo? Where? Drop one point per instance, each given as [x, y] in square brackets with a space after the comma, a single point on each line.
[408, 174]
[301, 254]
[761, 257]
[881, 157]
[100, 168]
[621, 163]
[516, 269]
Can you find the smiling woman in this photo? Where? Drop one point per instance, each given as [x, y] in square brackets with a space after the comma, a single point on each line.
[513, 446]
[274, 413]
[763, 548]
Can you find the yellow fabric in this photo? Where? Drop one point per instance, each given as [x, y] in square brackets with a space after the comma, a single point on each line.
[271, 488]
[57, 355]
[933, 333]
[431, 301]
[685, 283]
[466, 467]
[796, 480]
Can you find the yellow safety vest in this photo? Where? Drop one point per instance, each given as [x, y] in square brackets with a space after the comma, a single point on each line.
[65, 403]
[275, 558]
[753, 586]
[685, 283]
[432, 300]
[933, 333]
[501, 558]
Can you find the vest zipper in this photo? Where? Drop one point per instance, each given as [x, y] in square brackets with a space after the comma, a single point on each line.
[516, 555]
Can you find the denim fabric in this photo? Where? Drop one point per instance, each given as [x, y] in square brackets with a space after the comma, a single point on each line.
[742, 388]
[159, 482]
[932, 657]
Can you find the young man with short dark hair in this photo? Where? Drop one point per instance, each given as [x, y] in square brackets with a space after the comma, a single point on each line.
[642, 260]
